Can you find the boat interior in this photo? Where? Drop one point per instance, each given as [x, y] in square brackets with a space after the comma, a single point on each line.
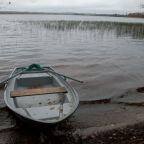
[41, 96]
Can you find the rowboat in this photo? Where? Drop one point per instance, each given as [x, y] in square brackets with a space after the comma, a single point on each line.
[39, 94]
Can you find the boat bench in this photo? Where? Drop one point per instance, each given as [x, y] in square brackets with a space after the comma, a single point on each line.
[37, 91]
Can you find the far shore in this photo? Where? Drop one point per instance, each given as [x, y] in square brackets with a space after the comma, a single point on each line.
[60, 13]
[136, 15]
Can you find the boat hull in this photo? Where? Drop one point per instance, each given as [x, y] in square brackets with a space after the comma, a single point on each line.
[30, 111]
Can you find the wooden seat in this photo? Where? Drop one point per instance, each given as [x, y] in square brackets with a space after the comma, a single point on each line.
[37, 91]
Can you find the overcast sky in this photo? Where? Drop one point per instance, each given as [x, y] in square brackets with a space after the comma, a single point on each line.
[98, 6]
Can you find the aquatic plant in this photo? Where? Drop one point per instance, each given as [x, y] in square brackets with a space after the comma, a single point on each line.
[136, 30]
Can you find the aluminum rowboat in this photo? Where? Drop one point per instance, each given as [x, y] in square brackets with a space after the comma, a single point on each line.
[40, 95]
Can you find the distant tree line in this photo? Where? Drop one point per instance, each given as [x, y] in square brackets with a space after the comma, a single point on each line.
[138, 15]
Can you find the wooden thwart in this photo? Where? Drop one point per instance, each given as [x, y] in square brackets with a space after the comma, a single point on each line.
[37, 91]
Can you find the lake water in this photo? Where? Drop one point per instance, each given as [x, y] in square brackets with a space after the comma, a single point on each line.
[107, 53]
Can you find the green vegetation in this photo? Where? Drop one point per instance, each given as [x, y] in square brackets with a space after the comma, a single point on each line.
[136, 15]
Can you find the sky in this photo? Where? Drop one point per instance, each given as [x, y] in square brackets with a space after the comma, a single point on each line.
[84, 6]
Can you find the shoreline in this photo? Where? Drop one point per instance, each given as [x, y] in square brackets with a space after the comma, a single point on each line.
[131, 15]
[61, 13]
[130, 133]
[114, 134]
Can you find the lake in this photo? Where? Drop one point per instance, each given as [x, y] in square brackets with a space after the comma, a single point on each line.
[107, 53]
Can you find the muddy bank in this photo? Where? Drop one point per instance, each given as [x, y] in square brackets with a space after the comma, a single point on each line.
[122, 134]
[113, 120]
[92, 123]
[100, 121]
[66, 134]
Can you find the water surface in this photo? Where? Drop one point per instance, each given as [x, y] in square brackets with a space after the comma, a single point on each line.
[107, 53]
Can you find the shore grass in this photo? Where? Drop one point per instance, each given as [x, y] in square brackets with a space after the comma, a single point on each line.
[136, 30]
